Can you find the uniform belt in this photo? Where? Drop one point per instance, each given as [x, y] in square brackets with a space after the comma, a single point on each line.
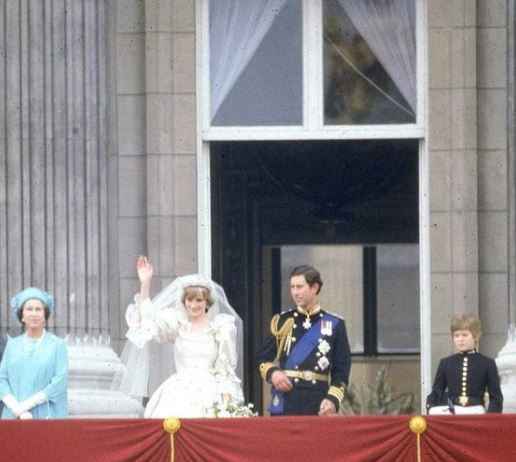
[468, 401]
[306, 375]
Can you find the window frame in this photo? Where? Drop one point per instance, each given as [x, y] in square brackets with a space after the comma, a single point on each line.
[314, 129]
[370, 308]
[313, 126]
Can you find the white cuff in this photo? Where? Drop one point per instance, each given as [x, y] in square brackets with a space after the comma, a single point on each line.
[33, 401]
[12, 403]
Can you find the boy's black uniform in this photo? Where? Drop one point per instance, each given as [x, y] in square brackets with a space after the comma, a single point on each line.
[466, 377]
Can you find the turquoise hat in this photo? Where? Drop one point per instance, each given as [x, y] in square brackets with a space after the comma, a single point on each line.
[31, 292]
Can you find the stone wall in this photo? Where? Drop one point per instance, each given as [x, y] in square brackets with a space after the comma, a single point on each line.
[155, 63]
[495, 170]
[470, 168]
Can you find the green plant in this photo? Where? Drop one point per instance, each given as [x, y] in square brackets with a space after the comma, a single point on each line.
[376, 399]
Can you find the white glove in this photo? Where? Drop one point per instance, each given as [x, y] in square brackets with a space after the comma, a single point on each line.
[12, 403]
[25, 415]
[34, 400]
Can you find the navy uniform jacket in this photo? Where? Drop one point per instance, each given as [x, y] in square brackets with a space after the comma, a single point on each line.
[329, 357]
[466, 377]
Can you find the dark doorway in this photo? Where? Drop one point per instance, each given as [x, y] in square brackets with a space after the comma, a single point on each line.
[272, 194]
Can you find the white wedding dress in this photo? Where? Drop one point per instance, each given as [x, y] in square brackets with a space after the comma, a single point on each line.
[205, 361]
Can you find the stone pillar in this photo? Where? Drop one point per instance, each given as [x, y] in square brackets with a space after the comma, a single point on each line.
[170, 143]
[497, 188]
[54, 153]
[472, 173]
[171, 137]
[494, 174]
[453, 165]
[155, 81]
[54, 178]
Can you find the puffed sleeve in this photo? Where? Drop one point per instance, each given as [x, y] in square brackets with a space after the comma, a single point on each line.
[146, 323]
[225, 335]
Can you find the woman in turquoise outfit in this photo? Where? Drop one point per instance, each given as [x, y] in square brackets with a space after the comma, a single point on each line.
[34, 367]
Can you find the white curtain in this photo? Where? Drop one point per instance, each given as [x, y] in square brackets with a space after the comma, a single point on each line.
[237, 27]
[388, 27]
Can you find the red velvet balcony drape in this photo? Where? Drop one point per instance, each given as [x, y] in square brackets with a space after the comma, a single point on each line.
[286, 439]
[487, 438]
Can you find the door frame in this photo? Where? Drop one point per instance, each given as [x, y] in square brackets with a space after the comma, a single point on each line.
[313, 130]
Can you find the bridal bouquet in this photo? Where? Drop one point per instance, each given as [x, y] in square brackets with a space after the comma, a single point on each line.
[229, 408]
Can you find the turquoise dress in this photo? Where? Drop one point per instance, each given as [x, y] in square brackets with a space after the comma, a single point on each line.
[29, 366]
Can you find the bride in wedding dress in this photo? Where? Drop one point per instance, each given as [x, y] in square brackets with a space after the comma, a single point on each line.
[192, 313]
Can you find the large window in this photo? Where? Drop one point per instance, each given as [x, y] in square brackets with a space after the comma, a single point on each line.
[375, 288]
[256, 63]
[369, 62]
[310, 66]
[309, 71]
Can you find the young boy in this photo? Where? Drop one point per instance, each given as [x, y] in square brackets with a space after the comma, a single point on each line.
[463, 378]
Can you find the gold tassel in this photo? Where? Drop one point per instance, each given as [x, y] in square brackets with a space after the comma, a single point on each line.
[171, 425]
[283, 335]
[417, 425]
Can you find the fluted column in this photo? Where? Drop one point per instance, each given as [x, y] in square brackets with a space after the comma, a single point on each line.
[54, 183]
[53, 158]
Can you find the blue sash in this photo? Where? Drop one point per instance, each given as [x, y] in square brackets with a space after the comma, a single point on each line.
[299, 353]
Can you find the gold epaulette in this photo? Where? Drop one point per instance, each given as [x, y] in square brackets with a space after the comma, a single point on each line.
[264, 368]
[283, 335]
[337, 392]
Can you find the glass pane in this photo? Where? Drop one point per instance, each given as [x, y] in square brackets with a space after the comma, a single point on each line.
[342, 292]
[369, 62]
[398, 298]
[256, 64]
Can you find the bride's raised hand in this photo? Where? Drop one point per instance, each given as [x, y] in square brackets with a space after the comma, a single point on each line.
[145, 270]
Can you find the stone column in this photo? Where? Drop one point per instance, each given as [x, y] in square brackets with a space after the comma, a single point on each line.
[494, 168]
[54, 178]
[171, 137]
[157, 143]
[453, 162]
[497, 188]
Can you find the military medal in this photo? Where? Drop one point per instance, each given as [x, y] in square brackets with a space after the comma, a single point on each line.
[307, 324]
[323, 363]
[326, 327]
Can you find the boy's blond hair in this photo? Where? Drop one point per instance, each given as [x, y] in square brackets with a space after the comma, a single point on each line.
[467, 322]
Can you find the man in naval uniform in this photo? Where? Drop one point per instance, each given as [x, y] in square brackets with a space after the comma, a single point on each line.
[307, 357]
